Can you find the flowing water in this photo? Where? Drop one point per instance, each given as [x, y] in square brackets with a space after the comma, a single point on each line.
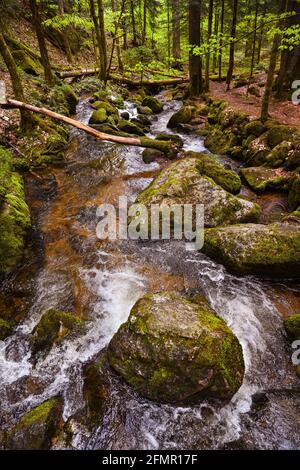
[101, 280]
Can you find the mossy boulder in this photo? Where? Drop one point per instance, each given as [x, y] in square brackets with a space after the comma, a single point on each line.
[261, 179]
[63, 99]
[37, 427]
[99, 116]
[173, 137]
[292, 326]
[153, 103]
[255, 128]
[52, 328]
[70, 97]
[279, 154]
[186, 182]
[183, 116]
[293, 158]
[14, 214]
[270, 250]
[27, 63]
[294, 194]
[220, 141]
[130, 128]
[173, 350]
[257, 151]
[144, 110]
[254, 90]
[125, 115]
[280, 133]
[5, 328]
[110, 109]
[150, 155]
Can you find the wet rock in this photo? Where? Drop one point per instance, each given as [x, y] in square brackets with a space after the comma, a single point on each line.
[292, 326]
[183, 116]
[260, 178]
[14, 214]
[53, 327]
[270, 250]
[5, 329]
[186, 182]
[173, 137]
[280, 133]
[36, 428]
[109, 109]
[153, 103]
[144, 110]
[258, 150]
[294, 194]
[130, 128]
[220, 141]
[255, 128]
[150, 155]
[173, 350]
[125, 115]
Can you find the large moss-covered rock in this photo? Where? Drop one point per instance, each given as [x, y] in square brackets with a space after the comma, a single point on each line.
[280, 133]
[255, 128]
[99, 116]
[63, 99]
[70, 97]
[110, 110]
[187, 182]
[130, 128]
[292, 326]
[260, 178]
[271, 250]
[14, 214]
[171, 137]
[174, 350]
[37, 427]
[278, 155]
[153, 103]
[257, 151]
[27, 63]
[53, 327]
[183, 116]
[220, 141]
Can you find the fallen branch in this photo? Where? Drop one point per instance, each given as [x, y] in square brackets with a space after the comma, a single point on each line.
[165, 147]
[147, 83]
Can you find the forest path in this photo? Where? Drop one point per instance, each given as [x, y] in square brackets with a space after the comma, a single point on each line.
[285, 112]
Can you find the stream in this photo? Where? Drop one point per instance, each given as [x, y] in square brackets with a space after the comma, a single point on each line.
[101, 280]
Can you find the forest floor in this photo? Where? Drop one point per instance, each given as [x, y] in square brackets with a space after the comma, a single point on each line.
[285, 112]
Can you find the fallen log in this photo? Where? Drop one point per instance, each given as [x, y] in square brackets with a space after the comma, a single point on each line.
[77, 73]
[147, 83]
[166, 147]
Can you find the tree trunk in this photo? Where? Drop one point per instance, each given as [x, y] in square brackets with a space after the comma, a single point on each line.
[176, 46]
[168, 33]
[209, 33]
[261, 35]
[102, 71]
[116, 38]
[135, 41]
[65, 34]
[254, 44]
[216, 30]
[26, 119]
[49, 77]
[270, 79]
[195, 63]
[232, 44]
[144, 22]
[221, 39]
[163, 146]
[102, 36]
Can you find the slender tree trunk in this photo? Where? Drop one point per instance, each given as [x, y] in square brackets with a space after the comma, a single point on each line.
[272, 68]
[135, 41]
[216, 30]
[261, 34]
[65, 34]
[176, 46]
[169, 33]
[195, 63]
[144, 22]
[98, 37]
[209, 33]
[254, 44]
[27, 121]
[232, 44]
[221, 39]
[49, 77]
[116, 26]
[102, 35]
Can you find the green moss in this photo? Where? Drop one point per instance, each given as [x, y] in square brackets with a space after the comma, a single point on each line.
[27, 63]
[260, 178]
[110, 110]
[294, 194]
[70, 97]
[292, 326]
[5, 329]
[183, 116]
[5, 170]
[99, 116]
[130, 128]
[40, 413]
[48, 330]
[153, 103]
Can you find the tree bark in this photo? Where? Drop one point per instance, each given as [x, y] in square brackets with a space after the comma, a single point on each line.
[232, 44]
[209, 33]
[49, 77]
[195, 62]
[254, 44]
[176, 45]
[269, 85]
[102, 69]
[116, 38]
[135, 41]
[261, 35]
[146, 142]
[102, 36]
[221, 39]
[26, 119]
[144, 37]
